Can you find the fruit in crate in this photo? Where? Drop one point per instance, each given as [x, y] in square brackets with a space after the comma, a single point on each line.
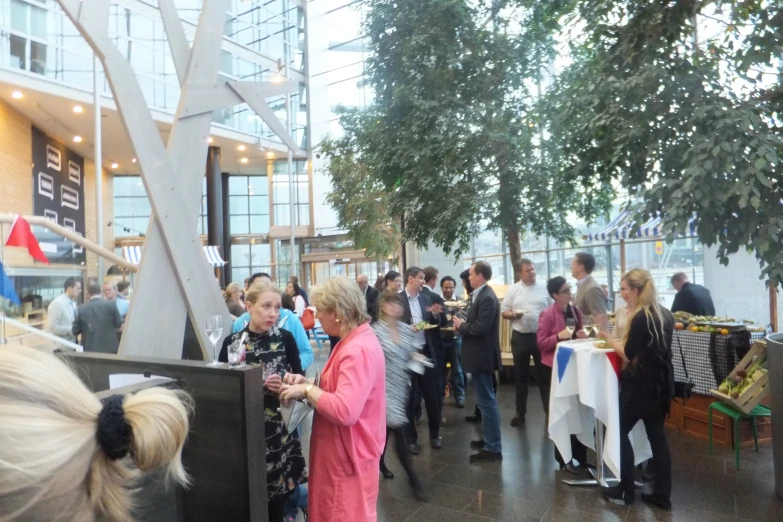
[679, 326]
[742, 380]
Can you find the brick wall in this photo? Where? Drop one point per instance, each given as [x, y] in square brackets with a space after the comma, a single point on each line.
[16, 190]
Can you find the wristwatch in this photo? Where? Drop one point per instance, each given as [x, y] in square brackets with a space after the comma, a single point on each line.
[308, 388]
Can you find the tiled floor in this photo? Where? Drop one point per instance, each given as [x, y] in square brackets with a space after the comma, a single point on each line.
[526, 487]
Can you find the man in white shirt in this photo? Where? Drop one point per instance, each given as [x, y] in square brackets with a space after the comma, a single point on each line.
[62, 310]
[522, 305]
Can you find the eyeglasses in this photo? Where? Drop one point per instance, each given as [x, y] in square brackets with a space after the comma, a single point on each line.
[566, 291]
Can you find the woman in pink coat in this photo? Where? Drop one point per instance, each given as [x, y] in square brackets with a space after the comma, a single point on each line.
[552, 330]
[349, 425]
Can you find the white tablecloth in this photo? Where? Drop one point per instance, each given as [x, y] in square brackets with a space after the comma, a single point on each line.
[589, 389]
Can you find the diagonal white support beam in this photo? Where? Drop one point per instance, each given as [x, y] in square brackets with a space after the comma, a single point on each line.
[178, 42]
[188, 143]
[207, 97]
[163, 188]
[259, 105]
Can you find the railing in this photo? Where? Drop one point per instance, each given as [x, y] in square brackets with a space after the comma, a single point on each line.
[32, 331]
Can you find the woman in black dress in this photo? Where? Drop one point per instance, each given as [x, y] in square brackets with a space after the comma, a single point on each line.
[646, 385]
[274, 348]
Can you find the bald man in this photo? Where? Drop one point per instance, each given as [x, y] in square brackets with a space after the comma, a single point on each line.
[370, 295]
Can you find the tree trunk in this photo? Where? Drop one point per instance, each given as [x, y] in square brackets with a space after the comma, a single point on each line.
[515, 250]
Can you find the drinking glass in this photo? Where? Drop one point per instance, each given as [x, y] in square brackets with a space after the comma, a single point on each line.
[571, 326]
[587, 325]
[236, 354]
[214, 329]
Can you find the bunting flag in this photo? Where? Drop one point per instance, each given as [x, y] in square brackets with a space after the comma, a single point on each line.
[614, 359]
[563, 356]
[7, 287]
[22, 236]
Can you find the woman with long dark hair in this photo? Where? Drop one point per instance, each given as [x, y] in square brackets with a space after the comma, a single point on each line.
[646, 385]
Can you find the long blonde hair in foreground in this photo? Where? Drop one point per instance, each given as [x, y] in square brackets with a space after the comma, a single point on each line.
[51, 466]
[641, 280]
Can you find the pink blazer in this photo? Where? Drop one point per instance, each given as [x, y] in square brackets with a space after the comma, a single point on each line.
[355, 400]
[550, 323]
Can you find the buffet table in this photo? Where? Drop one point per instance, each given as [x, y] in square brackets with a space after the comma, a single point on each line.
[585, 391]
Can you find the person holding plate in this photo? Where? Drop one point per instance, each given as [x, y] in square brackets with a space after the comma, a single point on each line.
[276, 349]
[560, 322]
[523, 303]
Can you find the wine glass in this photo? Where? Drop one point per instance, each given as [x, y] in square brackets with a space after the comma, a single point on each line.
[587, 325]
[214, 329]
[571, 326]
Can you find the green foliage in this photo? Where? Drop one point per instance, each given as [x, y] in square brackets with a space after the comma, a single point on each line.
[456, 134]
[689, 127]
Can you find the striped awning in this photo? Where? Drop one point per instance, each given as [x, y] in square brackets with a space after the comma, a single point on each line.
[133, 255]
[622, 227]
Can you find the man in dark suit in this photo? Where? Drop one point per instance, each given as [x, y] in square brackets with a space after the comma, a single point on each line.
[691, 298]
[98, 321]
[481, 358]
[370, 296]
[419, 309]
[430, 281]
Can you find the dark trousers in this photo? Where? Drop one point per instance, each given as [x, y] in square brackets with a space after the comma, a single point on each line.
[426, 387]
[402, 452]
[578, 450]
[523, 347]
[276, 508]
[654, 419]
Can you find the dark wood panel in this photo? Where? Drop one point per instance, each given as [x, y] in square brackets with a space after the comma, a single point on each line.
[224, 453]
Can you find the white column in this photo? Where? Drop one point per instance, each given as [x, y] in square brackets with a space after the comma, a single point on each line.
[98, 166]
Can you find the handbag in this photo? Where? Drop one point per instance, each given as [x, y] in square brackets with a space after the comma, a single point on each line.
[308, 319]
[683, 389]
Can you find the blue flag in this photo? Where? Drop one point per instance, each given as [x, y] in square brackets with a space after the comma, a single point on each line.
[7, 287]
[563, 355]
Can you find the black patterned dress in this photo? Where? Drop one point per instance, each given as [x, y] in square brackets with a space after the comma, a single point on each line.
[285, 464]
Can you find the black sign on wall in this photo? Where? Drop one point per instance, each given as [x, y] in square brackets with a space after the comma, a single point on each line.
[58, 195]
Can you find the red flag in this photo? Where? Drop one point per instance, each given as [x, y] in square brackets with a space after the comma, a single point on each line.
[22, 236]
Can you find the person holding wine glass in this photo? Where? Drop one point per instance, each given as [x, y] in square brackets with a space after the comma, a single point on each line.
[560, 322]
[276, 349]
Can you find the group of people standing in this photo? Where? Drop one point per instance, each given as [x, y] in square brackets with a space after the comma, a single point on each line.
[97, 323]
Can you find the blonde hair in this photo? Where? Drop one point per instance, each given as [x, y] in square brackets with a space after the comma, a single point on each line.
[343, 297]
[233, 287]
[52, 466]
[259, 288]
[641, 280]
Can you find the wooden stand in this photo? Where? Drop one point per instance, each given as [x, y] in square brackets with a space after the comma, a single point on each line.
[690, 416]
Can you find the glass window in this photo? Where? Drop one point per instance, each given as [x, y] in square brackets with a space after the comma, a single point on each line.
[18, 54]
[37, 57]
[238, 205]
[38, 23]
[249, 212]
[259, 224]
[19, 16]
[237, 185]
[239, 225]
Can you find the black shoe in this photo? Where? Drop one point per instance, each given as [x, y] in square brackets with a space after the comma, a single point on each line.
[486, 456]
[386, 472]
[414, 448]
[519, 420]
[663, 503]
[473, 418]
[418, 491]
[570, 468]
[648, 475]
[617, 495]
[477, 444]
[436, 443]
[460, 403]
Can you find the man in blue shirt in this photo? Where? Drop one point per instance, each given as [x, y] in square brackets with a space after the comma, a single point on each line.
[287, 321]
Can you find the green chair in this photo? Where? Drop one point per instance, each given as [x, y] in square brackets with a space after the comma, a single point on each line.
[729, 411]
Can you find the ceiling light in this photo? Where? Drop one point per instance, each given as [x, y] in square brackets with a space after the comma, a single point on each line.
[210, 140]
[241, 148]
[77, 139]
[17, 95]
[270, 155]
[78, 109]
[114, 165]
[243, 160]
[133, 160]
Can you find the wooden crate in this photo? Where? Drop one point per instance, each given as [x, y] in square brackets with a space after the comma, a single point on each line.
[758, 391]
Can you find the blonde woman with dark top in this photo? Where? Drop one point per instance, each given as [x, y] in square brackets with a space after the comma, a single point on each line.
[646, 385]
[64, 456]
